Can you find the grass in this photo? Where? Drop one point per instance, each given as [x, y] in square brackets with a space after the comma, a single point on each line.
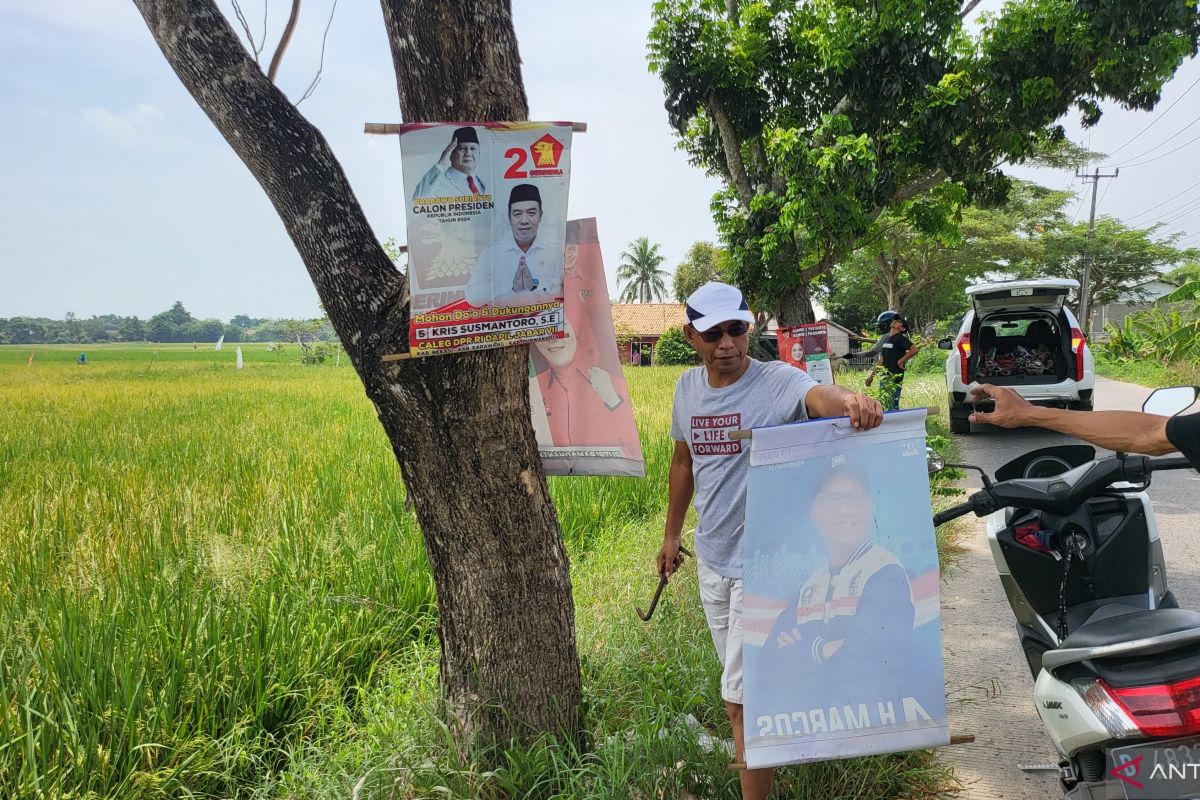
[1148, 373]
[211, 589]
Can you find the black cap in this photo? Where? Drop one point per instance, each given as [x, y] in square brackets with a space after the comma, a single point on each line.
[524, 192]
[466, 135]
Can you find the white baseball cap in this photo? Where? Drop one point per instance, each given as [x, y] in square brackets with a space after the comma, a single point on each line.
[714, 303]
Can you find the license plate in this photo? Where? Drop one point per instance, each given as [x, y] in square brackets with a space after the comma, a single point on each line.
[1022, 292]
[1166, 770]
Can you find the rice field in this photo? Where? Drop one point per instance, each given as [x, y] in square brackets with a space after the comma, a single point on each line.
[204, 569]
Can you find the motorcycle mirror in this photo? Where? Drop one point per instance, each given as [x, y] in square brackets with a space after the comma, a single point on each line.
[933, 460]
[1169, 402]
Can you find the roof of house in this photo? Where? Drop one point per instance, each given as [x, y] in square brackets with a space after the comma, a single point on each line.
[1147, 291]
[648, 319]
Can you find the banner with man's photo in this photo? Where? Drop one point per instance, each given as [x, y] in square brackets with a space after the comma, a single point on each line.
[842, 627]
[580, 402]
[807, 347]
[487, 212]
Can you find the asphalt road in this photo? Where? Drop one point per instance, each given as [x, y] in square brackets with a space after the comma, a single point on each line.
[989, 689]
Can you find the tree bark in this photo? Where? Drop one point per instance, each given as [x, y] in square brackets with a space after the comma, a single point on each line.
[795, 306]
[458, 425]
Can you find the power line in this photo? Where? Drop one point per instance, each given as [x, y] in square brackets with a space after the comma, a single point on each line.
[1180, 212]
[1164, 155]
[1163, 203]
[1145, 153]
[1156, 119]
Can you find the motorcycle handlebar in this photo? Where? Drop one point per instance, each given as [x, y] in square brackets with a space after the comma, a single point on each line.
[1132, 468]
[953, 513]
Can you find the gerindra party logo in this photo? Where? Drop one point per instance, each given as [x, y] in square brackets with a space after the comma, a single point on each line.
[547, 152]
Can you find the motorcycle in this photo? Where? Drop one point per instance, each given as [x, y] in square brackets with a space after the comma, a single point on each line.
[1115, 661]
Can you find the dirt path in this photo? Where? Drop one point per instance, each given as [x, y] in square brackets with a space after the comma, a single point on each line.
[989, 689]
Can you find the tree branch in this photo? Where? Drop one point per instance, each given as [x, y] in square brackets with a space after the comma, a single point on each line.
[284, 40]
[356, 282]
[968, 8]
[732, 149]
[320, 64]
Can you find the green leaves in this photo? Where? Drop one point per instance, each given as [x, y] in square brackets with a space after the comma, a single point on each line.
[839, 109]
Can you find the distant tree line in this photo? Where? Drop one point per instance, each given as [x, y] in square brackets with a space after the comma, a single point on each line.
[175, 324]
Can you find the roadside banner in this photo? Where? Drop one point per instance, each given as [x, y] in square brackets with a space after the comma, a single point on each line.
[807, 347]
[487, 210]
[842, 630]
[580, 401]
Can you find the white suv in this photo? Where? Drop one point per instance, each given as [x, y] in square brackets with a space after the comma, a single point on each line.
[1019, 334]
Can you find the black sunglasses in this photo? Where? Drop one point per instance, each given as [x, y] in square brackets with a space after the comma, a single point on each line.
[734, 329]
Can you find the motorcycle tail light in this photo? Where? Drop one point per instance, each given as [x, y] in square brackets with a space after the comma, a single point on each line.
[1171, 709]
[1106, 709]
[964, 353]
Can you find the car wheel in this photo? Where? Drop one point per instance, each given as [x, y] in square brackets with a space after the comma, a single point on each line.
[960, 425]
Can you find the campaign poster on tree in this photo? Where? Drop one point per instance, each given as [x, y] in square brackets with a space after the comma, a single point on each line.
[807, 347]
[578, 396]
[487, 214]
[842, 630]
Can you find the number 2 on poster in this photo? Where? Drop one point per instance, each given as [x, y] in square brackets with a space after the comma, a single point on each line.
[514, 171]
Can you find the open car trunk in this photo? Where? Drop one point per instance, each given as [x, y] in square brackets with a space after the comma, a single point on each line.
[1020, 347]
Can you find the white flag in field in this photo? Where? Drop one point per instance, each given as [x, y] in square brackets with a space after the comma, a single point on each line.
[239, 357]
[220, 342]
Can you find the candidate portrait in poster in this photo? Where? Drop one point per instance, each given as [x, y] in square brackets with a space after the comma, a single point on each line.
[455, 173]
[523, 268]
[848, 634]
[842, 640]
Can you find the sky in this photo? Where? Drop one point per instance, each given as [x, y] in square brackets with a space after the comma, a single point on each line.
[120, 196]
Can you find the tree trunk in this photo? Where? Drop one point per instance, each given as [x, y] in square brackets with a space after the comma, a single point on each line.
[458, 425]
[795, 306]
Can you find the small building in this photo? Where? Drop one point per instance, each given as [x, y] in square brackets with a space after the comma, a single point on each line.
[639, 327]
[1138, 297]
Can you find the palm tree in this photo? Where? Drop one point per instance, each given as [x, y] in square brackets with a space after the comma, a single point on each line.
[639, 266]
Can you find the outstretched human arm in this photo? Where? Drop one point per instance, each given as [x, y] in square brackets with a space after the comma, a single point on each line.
[1124, 431]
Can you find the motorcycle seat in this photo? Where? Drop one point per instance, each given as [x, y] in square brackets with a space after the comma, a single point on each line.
[1114, 624]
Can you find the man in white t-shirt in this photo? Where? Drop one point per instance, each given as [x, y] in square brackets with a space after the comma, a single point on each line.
[731, 391]
[522, 270]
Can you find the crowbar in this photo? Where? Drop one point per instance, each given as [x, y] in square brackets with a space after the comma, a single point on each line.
[662, 582]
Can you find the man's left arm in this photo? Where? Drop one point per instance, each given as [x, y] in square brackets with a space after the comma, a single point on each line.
[826, 401]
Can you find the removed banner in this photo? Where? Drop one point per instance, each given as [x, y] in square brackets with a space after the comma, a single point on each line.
[842, 638]
[487, 206]
[580, 401]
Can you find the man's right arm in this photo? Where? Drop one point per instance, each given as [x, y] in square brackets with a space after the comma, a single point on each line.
[1122, 431]
[680, 487]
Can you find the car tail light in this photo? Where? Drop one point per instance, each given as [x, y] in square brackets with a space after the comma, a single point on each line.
[964, 353]
[1078, 340]
[1165, 710]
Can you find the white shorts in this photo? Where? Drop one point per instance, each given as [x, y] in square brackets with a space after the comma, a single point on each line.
[722, 601]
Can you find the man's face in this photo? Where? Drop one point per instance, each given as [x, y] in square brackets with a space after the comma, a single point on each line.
[525, 216]
[898, 326]
[842, 511]
[463, 157]
[726, 356]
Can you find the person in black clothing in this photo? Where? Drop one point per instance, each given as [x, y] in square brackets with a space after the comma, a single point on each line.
[897, 349]
[1122, 431]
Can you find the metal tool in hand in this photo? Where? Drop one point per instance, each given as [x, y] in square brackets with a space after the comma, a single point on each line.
[662, 583]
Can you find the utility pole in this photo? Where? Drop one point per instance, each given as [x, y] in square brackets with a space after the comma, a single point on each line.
[1085, 312]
